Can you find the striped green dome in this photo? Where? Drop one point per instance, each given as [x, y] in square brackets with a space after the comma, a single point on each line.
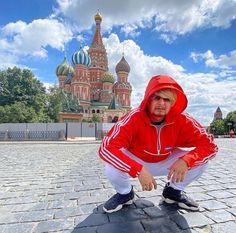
[107, 77]
[64, 68]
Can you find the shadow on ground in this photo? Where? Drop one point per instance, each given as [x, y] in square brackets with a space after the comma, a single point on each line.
[141, 217]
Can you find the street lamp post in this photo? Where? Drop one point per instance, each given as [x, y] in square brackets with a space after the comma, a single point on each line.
[229, 124]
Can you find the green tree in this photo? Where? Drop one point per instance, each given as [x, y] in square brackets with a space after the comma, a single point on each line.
[22, 97]
[230, 121]
[54, 103]
[217, 127]
[96, 118]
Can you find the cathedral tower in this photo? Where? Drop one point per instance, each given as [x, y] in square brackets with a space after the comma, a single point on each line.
[80, 84]
[99, 63]
[122, 87]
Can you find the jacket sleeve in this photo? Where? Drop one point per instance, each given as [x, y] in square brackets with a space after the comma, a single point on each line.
[118, 138]
[194, 135]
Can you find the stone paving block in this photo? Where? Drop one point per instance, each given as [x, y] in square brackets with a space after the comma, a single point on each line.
[194, 189]
[212, 205]
[232, 210]
[60, 190]
[219, 216]
[127, 214]
[84, 230]
[228, 227]
[201, 196]
[154, 212]
[40, 182]
[21, 200]
[160, 225]
[59, 204]
[78, 219]
[232, 185]
[212, 187]
[17, 228]
[125, 227]
[221, 194]
[53, 225]
[232, 191]
[90, 200]
[93, 220]
[68, 212]
[8, 218]
[191, 219]
[88, 208]
[76, 195]
[231, 202]
[143, 203]
[36, 216]
[204, 229]
[6, 195]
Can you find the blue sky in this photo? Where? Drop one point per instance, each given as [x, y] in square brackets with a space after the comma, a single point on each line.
[193, 41]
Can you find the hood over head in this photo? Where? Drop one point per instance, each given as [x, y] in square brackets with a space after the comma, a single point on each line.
[160, 82]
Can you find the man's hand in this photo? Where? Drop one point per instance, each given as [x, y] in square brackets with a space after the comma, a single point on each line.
[146, 180]
[177, 171]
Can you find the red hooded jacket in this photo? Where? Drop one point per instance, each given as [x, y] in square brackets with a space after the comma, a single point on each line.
[135, 133]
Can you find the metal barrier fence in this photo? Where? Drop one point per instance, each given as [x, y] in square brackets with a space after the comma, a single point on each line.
[53, 131]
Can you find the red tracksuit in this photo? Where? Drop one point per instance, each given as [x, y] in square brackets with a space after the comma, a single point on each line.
[135, 133]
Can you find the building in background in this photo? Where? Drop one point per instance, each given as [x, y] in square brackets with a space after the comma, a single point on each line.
[218, 114]
[99, 94]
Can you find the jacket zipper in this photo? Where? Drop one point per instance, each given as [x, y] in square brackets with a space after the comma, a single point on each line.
[158, 140]
[158, 129]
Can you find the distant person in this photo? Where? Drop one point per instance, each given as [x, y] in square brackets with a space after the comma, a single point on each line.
[146, 143]
[231, 134]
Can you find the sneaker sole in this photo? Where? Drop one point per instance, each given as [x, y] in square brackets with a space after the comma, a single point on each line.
[119, 207]
[180, 204]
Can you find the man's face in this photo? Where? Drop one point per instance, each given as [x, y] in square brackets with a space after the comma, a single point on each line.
[158, 107]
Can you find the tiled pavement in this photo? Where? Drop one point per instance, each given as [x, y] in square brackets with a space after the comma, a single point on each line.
[60, 187]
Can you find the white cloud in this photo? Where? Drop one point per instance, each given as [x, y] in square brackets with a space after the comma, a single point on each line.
[21, 39]
[169, 18]
[224, 61]
[203, 90]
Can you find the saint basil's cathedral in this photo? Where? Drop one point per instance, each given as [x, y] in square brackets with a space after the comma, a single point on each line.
[92, 85]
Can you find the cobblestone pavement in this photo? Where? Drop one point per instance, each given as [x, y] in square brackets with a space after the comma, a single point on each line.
[60, 187]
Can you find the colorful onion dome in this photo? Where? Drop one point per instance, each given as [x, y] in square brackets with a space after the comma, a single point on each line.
[120, 85]
[107, 77]
[98, 17]
[81, 58]
[64, 68]
[122, 66]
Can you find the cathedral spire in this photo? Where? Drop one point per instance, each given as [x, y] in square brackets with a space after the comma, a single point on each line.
[97, 39]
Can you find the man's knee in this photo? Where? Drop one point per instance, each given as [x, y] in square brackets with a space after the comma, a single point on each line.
[113, 173]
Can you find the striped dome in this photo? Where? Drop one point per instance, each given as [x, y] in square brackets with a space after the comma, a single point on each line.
[81, 58]
[64, 68]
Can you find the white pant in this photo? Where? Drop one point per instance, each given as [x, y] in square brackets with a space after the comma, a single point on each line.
[121, 181]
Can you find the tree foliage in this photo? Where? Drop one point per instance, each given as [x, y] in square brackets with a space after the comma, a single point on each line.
[230, 121]
[221, 127]
[218, 127]
[22, 97]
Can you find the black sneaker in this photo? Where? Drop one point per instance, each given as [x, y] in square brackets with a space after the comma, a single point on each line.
[171, 195]
[117, 201]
